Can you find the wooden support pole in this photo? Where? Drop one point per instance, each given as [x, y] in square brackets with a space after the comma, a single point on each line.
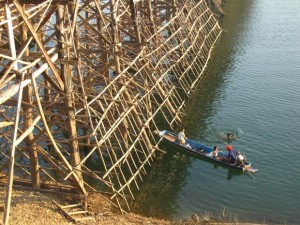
[68, 91]
[12, 158]
[76, 179]
[27, 96]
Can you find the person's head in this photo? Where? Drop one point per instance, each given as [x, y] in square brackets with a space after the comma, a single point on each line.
[215, 148]
[182, 129]
[229, 136]
[229, 147]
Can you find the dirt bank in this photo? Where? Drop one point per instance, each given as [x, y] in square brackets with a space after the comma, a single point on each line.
[35, 208]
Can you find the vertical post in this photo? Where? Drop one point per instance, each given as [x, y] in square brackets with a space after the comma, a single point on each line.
[66, 73]
[151, 19]
[115, 33]
[12, 151]
[134, 22]
[114, 5]
[138, 41]
[27, 96]
[12, 156]
[10, 32]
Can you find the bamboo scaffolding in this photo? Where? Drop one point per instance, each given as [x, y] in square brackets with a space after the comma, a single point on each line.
[96, 77]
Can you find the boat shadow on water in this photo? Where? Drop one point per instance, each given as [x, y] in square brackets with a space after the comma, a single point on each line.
[230, 172]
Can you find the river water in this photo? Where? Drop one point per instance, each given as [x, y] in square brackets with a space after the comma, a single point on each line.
[252, 86]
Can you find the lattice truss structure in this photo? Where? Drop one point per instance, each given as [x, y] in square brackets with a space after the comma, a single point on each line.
[82, 84]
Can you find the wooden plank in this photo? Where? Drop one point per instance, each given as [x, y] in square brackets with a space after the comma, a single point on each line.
[30, 129]
[70, 206]
[8, 93]
[78, 212]
[45, 66]
[63, 211]
[6, 124]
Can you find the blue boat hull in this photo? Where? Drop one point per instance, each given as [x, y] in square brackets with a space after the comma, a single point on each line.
[200, 150]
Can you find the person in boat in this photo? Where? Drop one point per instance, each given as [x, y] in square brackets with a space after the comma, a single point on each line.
[181, 137]
[234, 156]
[216, 153]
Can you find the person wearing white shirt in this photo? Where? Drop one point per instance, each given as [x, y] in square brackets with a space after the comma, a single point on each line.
[181, 137]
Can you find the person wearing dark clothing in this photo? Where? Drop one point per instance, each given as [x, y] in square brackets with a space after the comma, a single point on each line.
[233, 156]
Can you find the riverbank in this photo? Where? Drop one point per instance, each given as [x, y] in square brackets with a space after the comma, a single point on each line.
[35, 208]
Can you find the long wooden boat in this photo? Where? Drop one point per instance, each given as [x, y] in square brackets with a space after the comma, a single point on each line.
[197, 149]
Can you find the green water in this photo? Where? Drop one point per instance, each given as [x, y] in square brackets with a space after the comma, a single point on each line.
[252, 86]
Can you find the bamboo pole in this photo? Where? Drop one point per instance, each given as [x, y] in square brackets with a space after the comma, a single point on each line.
[28, 121]
[12, 157]
[68, 91]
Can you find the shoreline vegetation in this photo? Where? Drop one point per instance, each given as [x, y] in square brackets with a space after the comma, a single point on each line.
[35, 208]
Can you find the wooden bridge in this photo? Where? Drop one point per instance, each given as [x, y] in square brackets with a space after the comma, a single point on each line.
[83, 85]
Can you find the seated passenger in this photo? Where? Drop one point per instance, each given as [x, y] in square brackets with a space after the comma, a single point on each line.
[233, 156]
[216, 153]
